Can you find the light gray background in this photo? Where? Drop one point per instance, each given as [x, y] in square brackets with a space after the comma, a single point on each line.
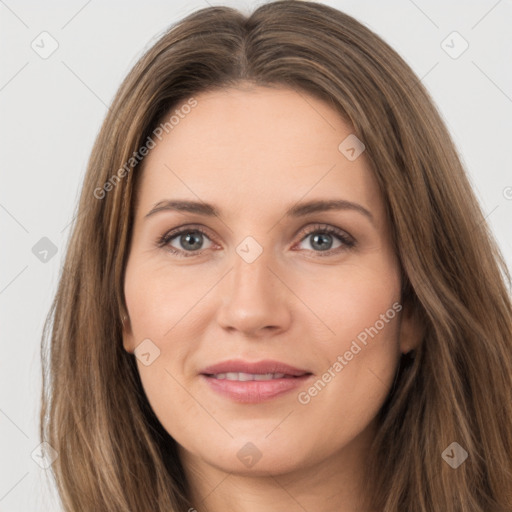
[51, 110]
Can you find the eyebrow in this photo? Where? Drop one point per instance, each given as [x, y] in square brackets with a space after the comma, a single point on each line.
[297, 210]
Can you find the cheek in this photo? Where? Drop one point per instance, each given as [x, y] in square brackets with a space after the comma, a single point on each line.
[350, 299]
[357, 376]
[156, 303]
[157, 298]
[160, 304]
[360, 353]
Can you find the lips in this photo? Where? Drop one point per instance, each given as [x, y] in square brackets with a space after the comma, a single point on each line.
[247, 382]
[260, 367]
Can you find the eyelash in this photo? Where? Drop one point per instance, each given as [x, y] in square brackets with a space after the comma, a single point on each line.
[348, 242]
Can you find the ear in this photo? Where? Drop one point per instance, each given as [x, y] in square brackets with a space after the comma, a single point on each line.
[411, 329]
[128, 338]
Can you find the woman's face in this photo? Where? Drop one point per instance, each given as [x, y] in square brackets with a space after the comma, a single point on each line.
[263, 281]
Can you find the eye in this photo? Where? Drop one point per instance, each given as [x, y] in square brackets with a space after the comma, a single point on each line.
[323, 237]
[188, 241]
[181, 242]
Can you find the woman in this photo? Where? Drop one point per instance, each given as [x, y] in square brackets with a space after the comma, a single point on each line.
[337, 336]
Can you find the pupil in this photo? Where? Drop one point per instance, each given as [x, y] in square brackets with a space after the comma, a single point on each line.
[322, 238]
[185, 239]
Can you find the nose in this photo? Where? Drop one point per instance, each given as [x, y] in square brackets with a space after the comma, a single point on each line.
[254, 299]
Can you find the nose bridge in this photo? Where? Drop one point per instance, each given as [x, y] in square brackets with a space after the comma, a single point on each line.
[250, 269]
[252, 296]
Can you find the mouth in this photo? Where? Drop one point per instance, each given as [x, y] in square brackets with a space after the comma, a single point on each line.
[244, 377]
[253, 382]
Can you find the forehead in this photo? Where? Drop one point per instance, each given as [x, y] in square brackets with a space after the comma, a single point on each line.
[255, 147]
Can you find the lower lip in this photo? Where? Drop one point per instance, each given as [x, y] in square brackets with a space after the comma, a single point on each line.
[254, 391]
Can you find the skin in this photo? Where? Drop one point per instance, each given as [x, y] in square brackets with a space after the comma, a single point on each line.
[253, 152]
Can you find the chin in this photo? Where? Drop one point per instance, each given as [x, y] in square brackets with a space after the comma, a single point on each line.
[255, 456]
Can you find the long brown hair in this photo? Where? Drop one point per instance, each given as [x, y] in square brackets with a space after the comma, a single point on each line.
[113, 453]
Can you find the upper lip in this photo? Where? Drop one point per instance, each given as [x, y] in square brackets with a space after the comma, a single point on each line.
[266, 366]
